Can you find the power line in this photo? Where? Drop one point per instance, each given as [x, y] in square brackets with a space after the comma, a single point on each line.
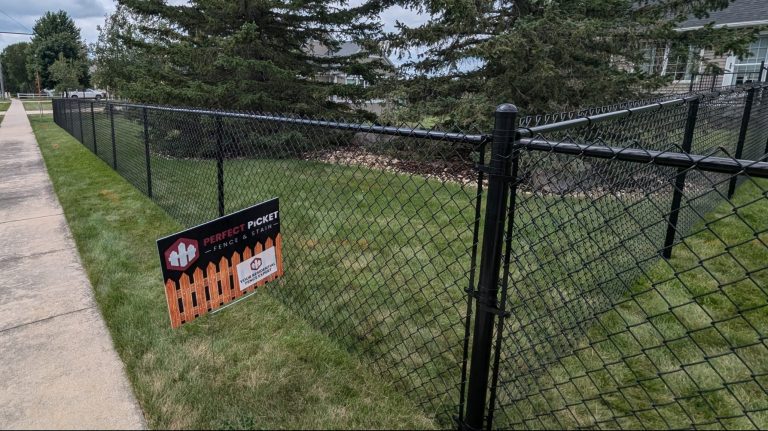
[14, 20]
[16, 32]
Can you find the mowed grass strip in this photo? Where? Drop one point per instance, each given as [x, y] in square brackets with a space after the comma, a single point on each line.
[31, 105]
[254, 365]
[4, 105]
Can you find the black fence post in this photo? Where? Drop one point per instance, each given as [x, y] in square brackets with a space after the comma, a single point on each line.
[220, 162]
[693, 78]
[677, 197]
[80, 120]
[112, 133]
[490, 264]
[742, 136]
[70, 121]
[93, 131]
[146, 152]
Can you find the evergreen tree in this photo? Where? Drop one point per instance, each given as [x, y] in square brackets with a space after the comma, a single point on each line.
[543, 55]
[55, 34]
[14, 59]
[247, 54]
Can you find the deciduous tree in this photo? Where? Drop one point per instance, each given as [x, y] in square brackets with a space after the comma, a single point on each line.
[14, 59]
[55, 34]
[65, 73]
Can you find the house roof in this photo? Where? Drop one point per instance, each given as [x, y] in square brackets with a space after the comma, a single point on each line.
[345, 49]
[738, 13]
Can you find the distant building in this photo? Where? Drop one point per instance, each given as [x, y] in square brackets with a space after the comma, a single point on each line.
[336, 76]
[685, 64]
[345, 49]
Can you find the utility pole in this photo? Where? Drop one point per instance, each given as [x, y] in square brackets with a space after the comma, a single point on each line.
[2, 81]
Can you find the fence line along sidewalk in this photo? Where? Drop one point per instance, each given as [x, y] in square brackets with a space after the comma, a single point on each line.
[60, 369]
[604, 268]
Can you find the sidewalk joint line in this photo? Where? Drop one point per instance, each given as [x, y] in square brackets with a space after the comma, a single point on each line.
[31, 218]
[46, 318]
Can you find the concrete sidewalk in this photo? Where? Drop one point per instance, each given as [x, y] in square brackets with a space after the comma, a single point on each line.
[58, 368]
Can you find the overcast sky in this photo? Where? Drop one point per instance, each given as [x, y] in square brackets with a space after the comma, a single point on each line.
[90, 13]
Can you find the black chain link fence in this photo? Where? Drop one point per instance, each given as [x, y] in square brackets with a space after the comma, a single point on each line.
[603, 276]
[603, 333]
[378, 223]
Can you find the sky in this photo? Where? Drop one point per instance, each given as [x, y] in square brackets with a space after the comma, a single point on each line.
[20, 16]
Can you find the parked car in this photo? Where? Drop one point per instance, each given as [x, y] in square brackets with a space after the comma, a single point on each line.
[88, 93]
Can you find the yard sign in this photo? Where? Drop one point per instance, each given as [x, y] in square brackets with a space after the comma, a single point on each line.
[215, 263]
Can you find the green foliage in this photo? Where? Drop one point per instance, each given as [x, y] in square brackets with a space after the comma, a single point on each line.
[14, 59]
[243, 55]
[66, 73]
[178, 137]
[117, 64]
[55, 35]
[542, 55]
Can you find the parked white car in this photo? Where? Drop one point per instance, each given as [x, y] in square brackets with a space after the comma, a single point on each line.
[88, 93]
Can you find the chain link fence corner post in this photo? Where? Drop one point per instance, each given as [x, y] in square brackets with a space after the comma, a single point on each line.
[486, 311]
[674, 214]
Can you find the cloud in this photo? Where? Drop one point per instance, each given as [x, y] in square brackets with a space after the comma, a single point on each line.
[87, 14]
[75, 8]
[406, 16]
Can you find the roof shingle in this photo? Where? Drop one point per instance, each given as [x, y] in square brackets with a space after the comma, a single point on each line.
[738, 11]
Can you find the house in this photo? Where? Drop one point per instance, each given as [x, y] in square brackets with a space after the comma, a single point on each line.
[335, 76]
[687, 64]
[346, 49]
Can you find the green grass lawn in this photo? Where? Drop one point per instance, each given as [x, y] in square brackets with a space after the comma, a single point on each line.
[4, 105]
[30, 105]
[684, 345]
[380, 260]
[254, 365]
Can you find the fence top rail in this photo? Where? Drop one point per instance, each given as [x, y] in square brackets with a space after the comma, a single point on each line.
[705, 163]
[527, 132]
[522, 132]
[357, 127]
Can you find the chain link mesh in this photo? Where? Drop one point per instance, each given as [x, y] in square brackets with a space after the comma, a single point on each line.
[381, 242]
[604, 333]
[378, 227]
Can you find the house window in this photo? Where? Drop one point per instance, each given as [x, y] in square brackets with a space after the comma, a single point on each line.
[681, 63]
[749, 68]
[654, 60]
[356, 80]
[664, 60]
